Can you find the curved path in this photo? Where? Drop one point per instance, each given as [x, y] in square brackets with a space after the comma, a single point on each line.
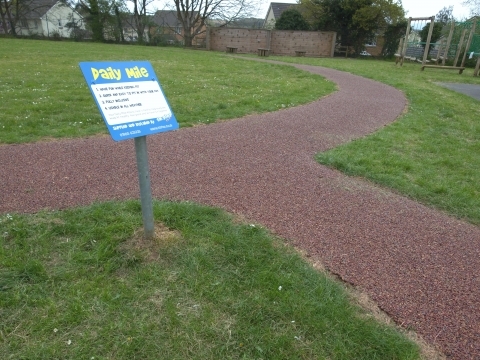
[419, 265]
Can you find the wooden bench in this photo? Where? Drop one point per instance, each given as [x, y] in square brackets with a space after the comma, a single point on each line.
[231, 49]
[263, 52]
[300, 52]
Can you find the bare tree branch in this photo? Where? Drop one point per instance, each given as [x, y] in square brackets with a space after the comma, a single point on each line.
[193, 14]
[474, 6]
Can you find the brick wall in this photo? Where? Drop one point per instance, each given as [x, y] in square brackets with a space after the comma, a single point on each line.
[246, 40]
[280, 42]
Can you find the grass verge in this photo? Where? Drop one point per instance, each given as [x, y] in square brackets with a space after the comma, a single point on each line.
[82, 284]
[432, 153]
[43, 93]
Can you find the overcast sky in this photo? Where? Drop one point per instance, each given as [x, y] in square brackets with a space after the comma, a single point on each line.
[413, 8]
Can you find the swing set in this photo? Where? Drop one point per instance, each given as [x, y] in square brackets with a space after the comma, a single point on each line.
[411, 48]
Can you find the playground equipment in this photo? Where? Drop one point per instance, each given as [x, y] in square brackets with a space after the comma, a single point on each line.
[411, 47]
[473, 47]
[412, 42]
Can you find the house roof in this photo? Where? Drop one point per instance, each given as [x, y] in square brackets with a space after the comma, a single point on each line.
[249, 23]
[129, 20]
[279, 8]
[167, 18]
[35, 9]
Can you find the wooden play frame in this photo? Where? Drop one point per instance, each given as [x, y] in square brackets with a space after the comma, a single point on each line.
[404, 43]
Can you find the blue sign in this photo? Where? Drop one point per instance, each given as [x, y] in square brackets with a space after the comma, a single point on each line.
[129, 98]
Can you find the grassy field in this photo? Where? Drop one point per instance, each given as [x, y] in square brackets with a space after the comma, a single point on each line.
[44, 95]
[432, 154]
[83, 284]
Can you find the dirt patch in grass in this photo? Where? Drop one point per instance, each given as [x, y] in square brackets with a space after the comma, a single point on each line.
[139, 248]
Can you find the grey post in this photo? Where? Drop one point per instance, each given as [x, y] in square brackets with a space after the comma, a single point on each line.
[145, 189]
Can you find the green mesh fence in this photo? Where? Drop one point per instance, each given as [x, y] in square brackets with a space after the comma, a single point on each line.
[415, 46]
[475, 46]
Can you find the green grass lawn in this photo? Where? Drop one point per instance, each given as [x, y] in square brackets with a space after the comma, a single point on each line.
[43, 93]
[432, 153]
[83, 284]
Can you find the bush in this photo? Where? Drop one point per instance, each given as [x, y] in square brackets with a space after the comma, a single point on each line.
[55, 36]
[78, 34]
[469, 63]
[292, 19]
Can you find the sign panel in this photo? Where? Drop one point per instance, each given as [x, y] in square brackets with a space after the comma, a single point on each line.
[129, 98]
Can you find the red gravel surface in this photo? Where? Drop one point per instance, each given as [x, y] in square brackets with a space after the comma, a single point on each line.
[419, 265]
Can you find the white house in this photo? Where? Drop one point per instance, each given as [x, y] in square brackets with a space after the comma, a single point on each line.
[273, 14]
[49, 18]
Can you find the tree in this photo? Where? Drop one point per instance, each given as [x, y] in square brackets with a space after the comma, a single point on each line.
[13, 12]
[192, 14]
[355, 21]
[292, 19]
[97, 13]
[436, 32]
[312, 11]
[116, 20]
[119, 19]
[104, 18]
[6, 16]
[75, 25]
[392, 36]
[140, 18]
[445, 15]
[474, 6]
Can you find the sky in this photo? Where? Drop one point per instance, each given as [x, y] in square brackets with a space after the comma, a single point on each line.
[425, 8]
[414, 8]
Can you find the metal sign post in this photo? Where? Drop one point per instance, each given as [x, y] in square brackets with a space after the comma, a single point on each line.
[132, 105]
[145, 189]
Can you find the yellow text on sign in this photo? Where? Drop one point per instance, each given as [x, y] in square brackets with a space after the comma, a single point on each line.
[136, 72]
[108, 73]
[116, 74]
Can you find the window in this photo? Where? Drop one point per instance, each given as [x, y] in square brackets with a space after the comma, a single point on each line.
[372, 42]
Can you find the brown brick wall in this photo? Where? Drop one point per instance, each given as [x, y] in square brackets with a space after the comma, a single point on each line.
[246, 40]
[314, 43]
[280, 42]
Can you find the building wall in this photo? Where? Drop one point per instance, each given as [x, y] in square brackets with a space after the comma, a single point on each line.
[280, 42]
[53, 21]
[377, 49]
[176, 35]
[269, 22]
[315, 43]
[245, 40]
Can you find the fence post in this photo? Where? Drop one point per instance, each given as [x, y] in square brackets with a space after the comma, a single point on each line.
[427, 45]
